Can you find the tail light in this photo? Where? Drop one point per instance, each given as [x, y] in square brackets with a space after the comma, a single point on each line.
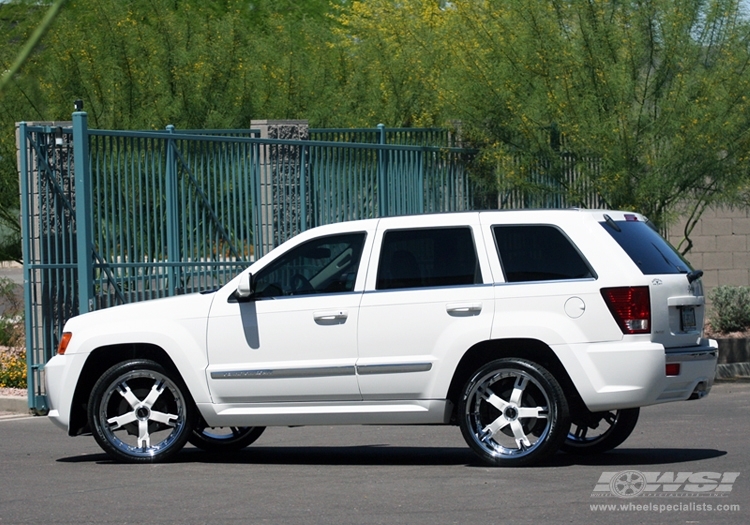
[631, 308]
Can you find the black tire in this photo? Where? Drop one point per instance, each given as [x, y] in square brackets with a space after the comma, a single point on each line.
[140, 413]
[611, 429]
[224, 439]
[513, 413]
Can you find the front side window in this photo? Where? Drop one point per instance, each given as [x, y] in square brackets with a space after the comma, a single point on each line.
[426, 258]
[538, 253]
[323, 265]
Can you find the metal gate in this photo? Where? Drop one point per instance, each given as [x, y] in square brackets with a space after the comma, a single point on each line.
[114, 217]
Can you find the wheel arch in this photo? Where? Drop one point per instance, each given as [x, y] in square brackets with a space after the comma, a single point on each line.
[529, 349]
[98, 362]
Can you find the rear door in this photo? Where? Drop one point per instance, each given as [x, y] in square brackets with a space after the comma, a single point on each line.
[425, 304]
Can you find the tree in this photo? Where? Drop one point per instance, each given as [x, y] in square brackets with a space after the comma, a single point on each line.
[14, 30]
[144, 64]
[648, 98]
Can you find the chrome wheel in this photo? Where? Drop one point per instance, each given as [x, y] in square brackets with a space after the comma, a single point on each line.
[601, 431]
[139, 414]
[513, 413]
[224, 439]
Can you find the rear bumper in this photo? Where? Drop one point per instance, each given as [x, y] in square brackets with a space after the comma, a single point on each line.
[697, 372]
[632, 373]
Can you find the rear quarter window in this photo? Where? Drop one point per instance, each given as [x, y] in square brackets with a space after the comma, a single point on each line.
[539, 253]
[648, 250]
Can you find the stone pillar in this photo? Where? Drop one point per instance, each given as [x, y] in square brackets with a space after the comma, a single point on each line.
[280, 192]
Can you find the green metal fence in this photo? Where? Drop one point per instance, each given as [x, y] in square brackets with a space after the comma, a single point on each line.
[113, 217]
[382, 135]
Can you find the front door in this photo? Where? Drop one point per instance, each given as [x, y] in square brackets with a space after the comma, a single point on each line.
[296, 338]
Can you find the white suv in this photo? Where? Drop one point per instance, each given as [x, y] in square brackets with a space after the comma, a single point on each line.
[530, 330]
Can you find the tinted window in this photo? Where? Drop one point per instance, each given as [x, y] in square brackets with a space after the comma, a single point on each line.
[538, 253]
[427, 257]
[646, 247]
[324, 265]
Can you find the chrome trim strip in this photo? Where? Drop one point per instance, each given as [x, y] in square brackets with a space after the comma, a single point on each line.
[706, 355]
[285, 373]
[406, 368]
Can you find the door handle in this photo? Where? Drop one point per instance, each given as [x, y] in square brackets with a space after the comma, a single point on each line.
[336, 315]
[464, 308]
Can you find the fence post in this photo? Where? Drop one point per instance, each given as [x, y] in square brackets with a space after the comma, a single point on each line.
[23, 165]
[303, 187]
[173, 248]
[83, 211]
[382, 174]
[420, 183]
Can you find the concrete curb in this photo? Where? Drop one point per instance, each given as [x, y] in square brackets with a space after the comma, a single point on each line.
[14, 404]
[733, 371]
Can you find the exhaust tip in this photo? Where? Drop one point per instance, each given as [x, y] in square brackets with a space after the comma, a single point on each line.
[700, 391]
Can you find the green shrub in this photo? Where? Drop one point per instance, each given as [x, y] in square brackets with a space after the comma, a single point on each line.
[12, 352]
[11, 321]
[731, 308]
[12, 368]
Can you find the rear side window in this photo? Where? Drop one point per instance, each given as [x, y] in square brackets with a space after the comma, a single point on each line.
[538, 253]
[426, 258]
[648, 250]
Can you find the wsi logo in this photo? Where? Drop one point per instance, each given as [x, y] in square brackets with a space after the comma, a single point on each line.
[632, 483]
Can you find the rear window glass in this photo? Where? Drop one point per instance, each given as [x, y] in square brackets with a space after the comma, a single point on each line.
[648, 250]
[538, 253]
[428, 257]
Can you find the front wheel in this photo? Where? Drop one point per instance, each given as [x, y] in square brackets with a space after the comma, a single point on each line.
[600, 431]
[513, 412]
[140, 413]
[224, 439]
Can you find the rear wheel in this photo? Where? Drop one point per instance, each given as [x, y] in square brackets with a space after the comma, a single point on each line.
[600, 431]
[140, 413]
[513, 413]
[224, 439]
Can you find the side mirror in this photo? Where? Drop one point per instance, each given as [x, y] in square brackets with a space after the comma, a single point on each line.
[246, 286]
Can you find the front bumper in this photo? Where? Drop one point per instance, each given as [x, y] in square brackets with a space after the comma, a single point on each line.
[61, 375]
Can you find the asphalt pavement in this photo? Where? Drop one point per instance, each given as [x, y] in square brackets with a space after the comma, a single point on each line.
[689, 460]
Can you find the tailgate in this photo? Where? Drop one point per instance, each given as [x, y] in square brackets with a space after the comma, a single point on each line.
[677, 310]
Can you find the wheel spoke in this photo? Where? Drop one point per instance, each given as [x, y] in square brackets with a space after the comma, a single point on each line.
[144, 438]
[122, 420]
[536, 412]
[518, 390]
[161, 417]
[581, 432]
[124, 390]
[493, 428]
[494, 400]
[156, 391]
[521, 440]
